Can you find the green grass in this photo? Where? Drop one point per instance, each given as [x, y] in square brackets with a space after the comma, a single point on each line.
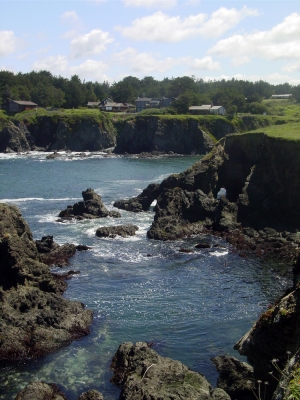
[283, 108]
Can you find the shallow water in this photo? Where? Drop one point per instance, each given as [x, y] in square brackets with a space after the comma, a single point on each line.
[192, 306]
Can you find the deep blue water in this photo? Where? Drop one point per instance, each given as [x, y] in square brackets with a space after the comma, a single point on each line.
[193, 306]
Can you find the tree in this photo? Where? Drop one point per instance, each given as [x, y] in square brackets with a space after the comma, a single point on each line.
[257, 108]
[184, 101]
[122, 92]
[180, 85]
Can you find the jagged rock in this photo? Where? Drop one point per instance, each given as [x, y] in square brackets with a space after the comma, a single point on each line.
[91, 207]
[52, 253]
[235, 377]
[273, 337]
[143, 374]
[120, 230]
[15, 138]
[142, 202]
[34, 318]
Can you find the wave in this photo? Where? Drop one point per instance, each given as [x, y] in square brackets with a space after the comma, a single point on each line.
[24, 199]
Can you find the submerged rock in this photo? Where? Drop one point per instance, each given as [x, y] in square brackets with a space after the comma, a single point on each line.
[143, 374]
[91, 207]
[34, 319]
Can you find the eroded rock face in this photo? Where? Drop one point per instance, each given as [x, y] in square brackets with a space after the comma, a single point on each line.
[143, 374]
[91, 207]
[52, 253]
[119, 230]
[34, 319]
[273, 337]
[142, 202]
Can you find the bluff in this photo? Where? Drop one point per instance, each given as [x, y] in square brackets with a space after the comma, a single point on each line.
[54, 131]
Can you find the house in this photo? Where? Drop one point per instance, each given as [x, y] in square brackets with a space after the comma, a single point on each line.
[281, 96]
[109, 105]
[20, 105]
[204, 109]
[141, 103]
[93, 104]
[207, 109]
[219, 110]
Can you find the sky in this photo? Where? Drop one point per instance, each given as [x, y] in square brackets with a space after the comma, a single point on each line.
[107, 40]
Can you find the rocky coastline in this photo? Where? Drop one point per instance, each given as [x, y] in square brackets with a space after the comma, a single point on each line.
[246, 191]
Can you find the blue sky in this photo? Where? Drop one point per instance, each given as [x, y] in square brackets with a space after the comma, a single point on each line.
[106, 40]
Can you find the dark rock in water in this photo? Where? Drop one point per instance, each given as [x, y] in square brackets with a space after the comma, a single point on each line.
[52, 253]
[41, 391]
[120, 230]
[82, 247]
[91, 395]
[35, 319]
[143, 374]
[202, 246]
[235, 377]
[52, 156]
[91, 207]
[140, 203]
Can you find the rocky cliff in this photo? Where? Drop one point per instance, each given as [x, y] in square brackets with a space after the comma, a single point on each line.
[55, 132]
[34, 317]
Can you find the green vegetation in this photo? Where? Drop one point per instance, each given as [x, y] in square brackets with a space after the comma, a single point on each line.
[48, 90]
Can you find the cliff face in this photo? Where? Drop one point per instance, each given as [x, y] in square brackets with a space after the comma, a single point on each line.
[145, 134]
[54, 133]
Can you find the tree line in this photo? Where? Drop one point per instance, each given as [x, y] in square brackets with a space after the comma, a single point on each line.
[48, 90]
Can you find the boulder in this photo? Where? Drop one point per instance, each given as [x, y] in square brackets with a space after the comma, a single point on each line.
[120, 230]
[91, 395]
[235, 377]
[143, 374]
[41, 391]
[91, 207]
[34, 319]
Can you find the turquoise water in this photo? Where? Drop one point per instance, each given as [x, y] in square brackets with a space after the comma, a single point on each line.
[192, 306]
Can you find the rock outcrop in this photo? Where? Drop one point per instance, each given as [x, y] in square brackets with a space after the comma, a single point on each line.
[260, 178]
[52, 253]
[119, 230]
[143, 374]
[34, 319]
[91, 207]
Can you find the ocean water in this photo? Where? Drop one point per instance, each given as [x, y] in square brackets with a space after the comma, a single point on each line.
[191, 306]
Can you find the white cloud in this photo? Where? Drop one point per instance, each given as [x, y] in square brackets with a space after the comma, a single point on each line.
[224, 19]
[205, 63]
[90, 43]
[280, 42]
[56, 65]
[161, 4]
[292, 67]
[8, 43]
[161, 27]
[90, 69]
[69, 17]
[143, 63]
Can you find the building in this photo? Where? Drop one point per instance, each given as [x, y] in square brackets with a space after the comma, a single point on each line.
[109, 105]
[93, 104]
[281, 96]
[207, 109]
[141, 103]
[16, 106]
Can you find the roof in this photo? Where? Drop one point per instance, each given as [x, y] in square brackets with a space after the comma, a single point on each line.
[203, 107]
[216, 107]
[144, 99]
[24, 103]
[93, 103]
